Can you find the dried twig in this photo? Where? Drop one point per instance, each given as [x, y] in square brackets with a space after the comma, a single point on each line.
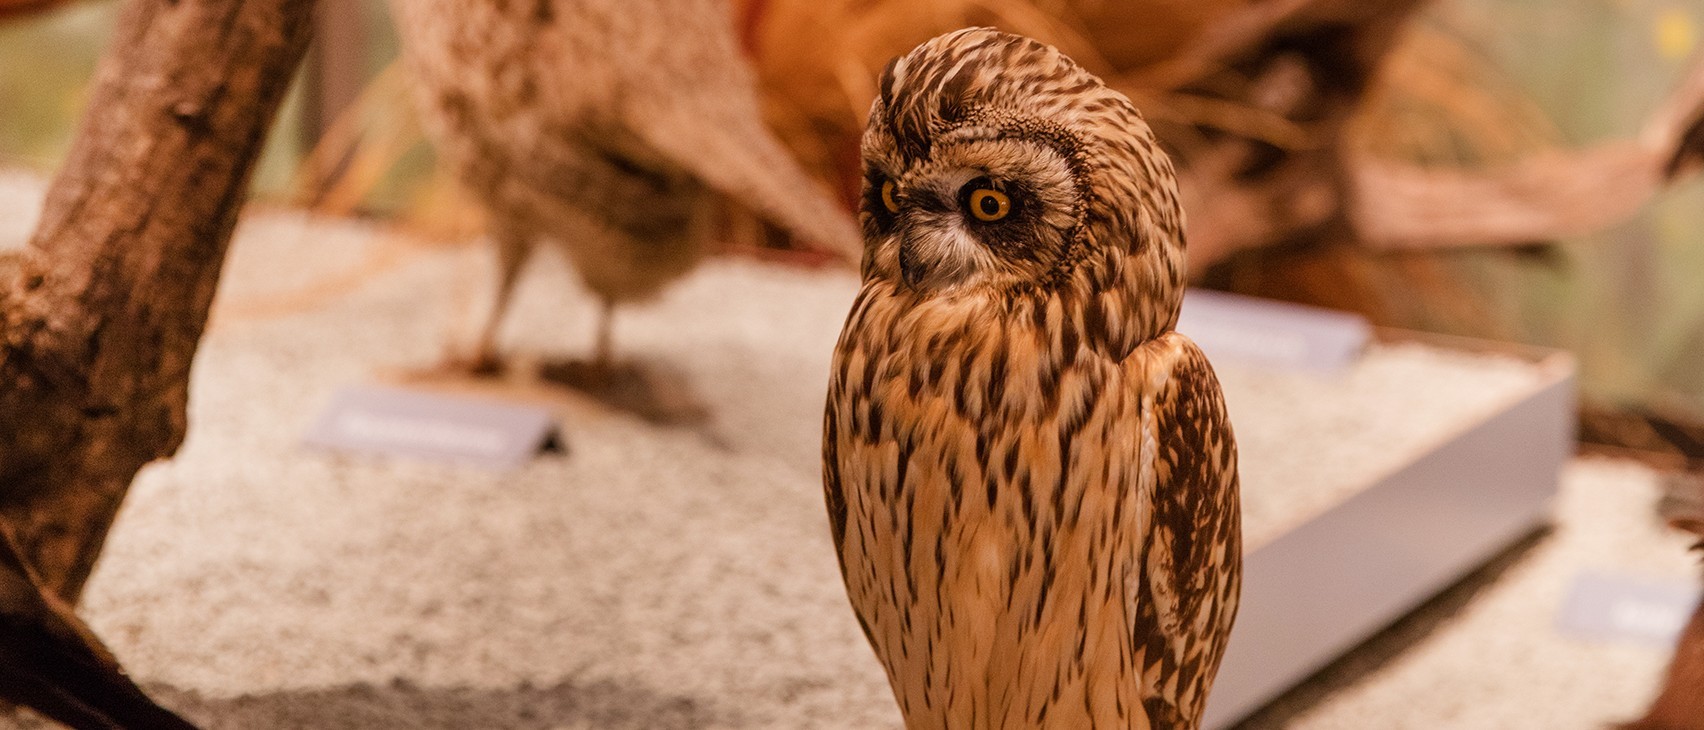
[1546, 197]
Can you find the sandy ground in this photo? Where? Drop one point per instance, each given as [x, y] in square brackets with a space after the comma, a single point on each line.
[650, 577]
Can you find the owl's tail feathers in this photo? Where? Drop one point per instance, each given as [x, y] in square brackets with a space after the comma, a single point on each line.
[51, 662]
[742, 160]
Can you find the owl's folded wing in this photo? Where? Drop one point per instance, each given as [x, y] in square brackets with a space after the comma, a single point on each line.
[1192, 568]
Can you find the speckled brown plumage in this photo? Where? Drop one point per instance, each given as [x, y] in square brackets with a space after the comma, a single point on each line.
[1030, 477]
[614, 128]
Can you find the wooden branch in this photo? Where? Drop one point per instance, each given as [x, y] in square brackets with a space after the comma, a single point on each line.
[1250, 31]
[16, 8]
[1543, 198]
[1680, 703]
[52, 662]
[1679, 125]
[1228, 212]
[101, 315]
[1306, 63]
[1689, 154]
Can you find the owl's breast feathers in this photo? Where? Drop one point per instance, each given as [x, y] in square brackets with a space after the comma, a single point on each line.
[1033, 533]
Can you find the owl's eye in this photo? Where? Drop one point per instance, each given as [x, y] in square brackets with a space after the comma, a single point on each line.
[988, 205]
[888, 197]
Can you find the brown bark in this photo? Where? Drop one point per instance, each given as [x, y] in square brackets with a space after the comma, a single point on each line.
[16, 8]
[1680, 704]
[101, 315]
[51, 662]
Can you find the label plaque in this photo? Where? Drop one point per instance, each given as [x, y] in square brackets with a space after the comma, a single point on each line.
[424, 425]
[1265, 332]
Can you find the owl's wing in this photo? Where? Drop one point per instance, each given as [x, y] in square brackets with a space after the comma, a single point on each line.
[709, 121]
[1192, 571]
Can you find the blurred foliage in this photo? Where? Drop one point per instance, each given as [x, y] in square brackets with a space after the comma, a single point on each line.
[1501, 78]
[410, 184]
[47, 60]
[1627, 300]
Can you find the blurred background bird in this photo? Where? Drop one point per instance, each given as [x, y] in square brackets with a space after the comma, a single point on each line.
[626, 132]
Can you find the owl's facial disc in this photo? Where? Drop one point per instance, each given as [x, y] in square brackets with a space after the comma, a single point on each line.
[982, 209]
[936, 246]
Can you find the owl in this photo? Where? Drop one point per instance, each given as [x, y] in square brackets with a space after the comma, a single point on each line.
[615, 129]
[1030, 478]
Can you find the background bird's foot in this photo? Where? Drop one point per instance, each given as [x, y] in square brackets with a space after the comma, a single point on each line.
[655, 395]
[481, 363]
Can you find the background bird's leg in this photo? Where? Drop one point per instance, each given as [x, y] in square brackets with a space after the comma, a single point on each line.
[658, 396]
[512, 249]
[603, 360]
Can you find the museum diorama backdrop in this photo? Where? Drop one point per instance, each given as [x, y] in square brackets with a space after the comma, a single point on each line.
[433, 477]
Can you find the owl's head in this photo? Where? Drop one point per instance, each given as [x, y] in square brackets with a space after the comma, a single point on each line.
[995, 166]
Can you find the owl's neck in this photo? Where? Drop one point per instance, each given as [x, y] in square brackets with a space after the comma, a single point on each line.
[1117, 306]
[1083, 318]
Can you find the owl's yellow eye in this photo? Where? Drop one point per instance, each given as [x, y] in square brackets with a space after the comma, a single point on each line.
[989, 205]
[887, 196]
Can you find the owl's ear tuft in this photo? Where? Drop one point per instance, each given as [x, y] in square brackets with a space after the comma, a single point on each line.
[887, 82]
[953, 95]
[902, 117]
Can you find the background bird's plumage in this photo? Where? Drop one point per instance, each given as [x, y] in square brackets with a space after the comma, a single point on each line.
[620, 130]
[1031, 479]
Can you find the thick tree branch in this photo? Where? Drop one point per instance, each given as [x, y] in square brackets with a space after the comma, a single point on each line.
[52, 662]
[1546, 197]
[101, 315]
[15, 8]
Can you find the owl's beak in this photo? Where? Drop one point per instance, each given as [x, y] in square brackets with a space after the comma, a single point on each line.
[919, 251]
[911, 267]
[930, 255]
